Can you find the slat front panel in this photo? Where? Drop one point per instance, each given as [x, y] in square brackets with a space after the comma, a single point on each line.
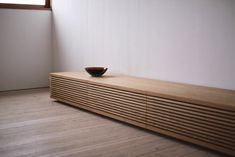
[210, 125]
[128, 105]
[62, 88]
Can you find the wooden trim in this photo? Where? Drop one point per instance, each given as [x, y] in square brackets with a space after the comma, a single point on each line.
[47, 6]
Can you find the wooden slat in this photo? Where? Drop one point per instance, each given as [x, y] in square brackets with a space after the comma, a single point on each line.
[108, 105]
[101, 108]
[79, 100]
[141, 106]
[198, 115]
[121, 107]
[114, 116]
[114, 104]
[195, 122]
[103, 88]
[192, 135]
[193, 107]
[114, 96]
[199, 131]
[118, 93]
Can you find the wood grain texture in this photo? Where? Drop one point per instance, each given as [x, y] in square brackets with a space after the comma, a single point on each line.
[127, 99]
[32, 124]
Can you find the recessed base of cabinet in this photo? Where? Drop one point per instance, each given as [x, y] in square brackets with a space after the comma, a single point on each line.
[200, 115]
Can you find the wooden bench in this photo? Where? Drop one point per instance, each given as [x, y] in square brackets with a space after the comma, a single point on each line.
[200, 115]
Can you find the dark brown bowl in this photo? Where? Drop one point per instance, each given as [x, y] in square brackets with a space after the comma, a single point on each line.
[96, 71]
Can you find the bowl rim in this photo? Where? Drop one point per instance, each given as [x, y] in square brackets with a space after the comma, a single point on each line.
[103, 68]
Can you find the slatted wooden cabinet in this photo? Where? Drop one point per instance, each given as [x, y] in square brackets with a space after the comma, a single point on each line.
[201, 115]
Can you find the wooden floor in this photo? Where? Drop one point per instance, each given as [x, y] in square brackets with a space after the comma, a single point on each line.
[32, 125]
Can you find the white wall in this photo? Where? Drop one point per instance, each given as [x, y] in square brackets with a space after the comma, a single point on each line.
[25, 48]
[189, 41]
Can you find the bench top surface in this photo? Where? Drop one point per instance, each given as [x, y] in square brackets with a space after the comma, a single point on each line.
[218, 98]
